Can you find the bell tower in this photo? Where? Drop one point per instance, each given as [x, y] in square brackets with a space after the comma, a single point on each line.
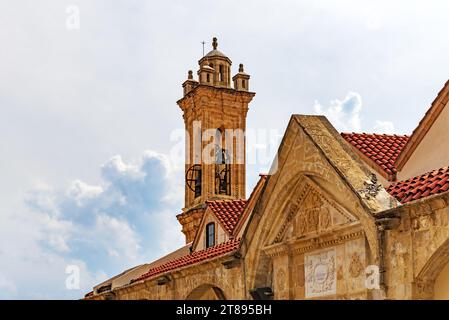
[214, 115]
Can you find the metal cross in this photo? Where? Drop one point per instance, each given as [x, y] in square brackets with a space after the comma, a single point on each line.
[203, 42]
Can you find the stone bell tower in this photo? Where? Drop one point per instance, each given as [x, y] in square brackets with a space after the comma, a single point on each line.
[214, 114]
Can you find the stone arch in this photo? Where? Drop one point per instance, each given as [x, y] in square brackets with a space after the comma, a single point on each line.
[259, 268]
[424, 283]
[258, 264]
[206, 292]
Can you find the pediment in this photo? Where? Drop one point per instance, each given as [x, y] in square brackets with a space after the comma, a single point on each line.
[221, 236]
[312, 213]
[317, 184]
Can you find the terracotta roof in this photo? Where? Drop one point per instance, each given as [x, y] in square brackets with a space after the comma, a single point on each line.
[193, 258]
[428, 184]
[227, 212]
[424, 125]
[381, 149]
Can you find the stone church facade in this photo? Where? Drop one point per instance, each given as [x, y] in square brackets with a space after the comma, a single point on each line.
[339, 216]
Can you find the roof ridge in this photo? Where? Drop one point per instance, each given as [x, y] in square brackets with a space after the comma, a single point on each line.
[374, 134]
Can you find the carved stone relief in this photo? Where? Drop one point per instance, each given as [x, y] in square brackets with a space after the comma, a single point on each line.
[355, 266]
[313, 214]
[320, 273]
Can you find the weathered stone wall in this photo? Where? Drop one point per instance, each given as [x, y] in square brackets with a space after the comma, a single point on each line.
[302, 271]
[418, 249]
[182, 283]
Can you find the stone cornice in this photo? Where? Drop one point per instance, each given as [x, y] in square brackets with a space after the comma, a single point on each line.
[334, 237]
[207, 88]
[418, 208]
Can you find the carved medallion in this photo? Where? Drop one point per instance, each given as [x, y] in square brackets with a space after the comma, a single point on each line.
[320, 273]
[356, 266]
[281, 279]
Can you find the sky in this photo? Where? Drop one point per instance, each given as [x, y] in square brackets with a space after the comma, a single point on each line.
[91, 136]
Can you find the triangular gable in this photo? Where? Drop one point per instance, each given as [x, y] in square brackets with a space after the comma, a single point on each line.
[426, 124]
[208, 217]
[312, 148]
[348, 166]
[315, 213]
[225, 214]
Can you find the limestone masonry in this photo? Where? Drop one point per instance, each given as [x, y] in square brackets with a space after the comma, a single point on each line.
[340, 215]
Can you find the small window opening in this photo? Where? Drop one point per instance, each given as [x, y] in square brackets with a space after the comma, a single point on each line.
[220, 74]
[210, 235]
[193, 179]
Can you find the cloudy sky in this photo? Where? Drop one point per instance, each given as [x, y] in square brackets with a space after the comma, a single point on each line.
[89, 128]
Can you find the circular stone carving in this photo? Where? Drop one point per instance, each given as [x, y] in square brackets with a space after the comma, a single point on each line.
[321, 273]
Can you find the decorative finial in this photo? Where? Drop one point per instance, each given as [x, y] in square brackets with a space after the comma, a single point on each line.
[214, 43]
[190, 76]
[241, 67]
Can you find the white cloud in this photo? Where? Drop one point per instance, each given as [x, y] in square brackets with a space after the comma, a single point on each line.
[386, 127]
[82, 192]
[7, 287]
[343, 114]
[346, 115]
[70, 99]
[117, 237]
[104, 229]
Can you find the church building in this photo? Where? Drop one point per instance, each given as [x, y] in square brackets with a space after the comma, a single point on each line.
[339, 216]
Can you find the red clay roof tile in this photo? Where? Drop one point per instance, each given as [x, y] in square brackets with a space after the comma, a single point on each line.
[382, 149]
[227, 212]
[192, 258]
[430, 183]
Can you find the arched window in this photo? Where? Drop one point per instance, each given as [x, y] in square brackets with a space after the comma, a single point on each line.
[243, 84]
[220, 74]
[222, 166]
[210, 235]
[193, 179]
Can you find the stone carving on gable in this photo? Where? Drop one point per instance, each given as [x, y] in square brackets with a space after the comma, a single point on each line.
[355, 266]
[371, 188]
[320, 273]
[340, 157]
[314, 213]
[326, 219]
[333, 149]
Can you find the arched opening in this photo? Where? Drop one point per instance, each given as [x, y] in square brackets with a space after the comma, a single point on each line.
[206, 292]
[222, 165]
[432, 281]
[441, 286]
[220, 73]
[193, 179]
